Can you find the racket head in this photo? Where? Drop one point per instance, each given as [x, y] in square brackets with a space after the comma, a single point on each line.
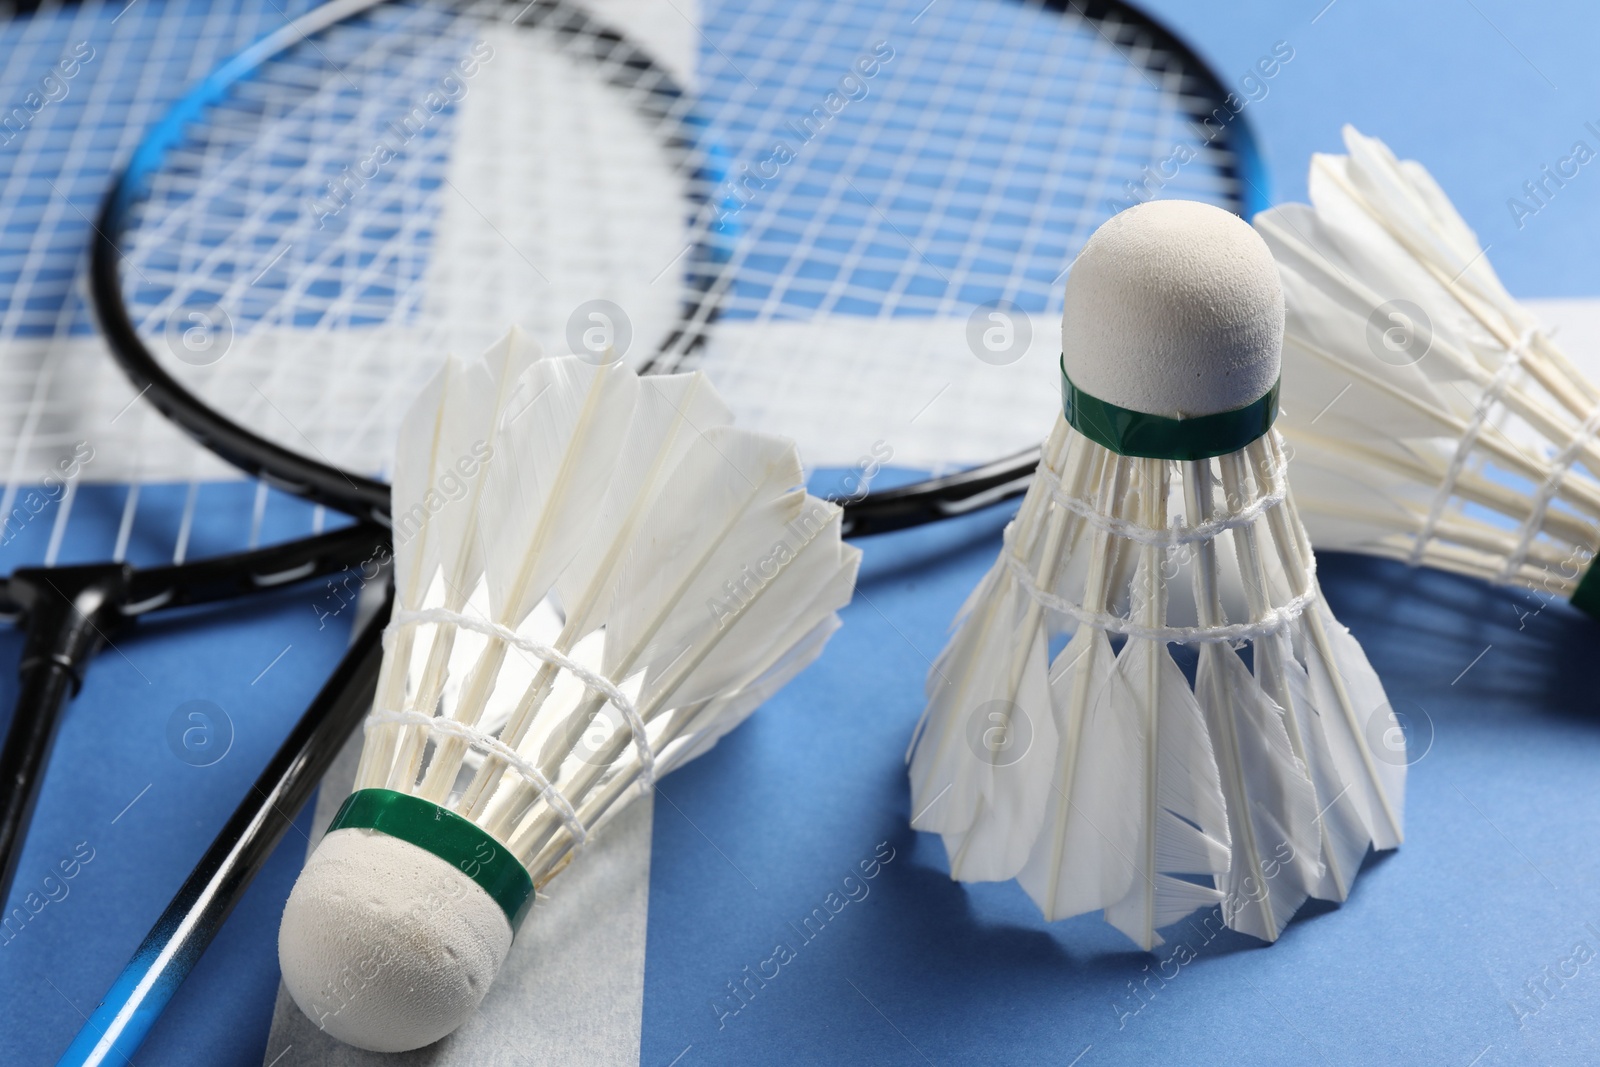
[90, 475]
[911, 182]
[297, 245]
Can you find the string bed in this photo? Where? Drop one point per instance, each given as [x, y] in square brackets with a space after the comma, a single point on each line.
[88, 78]
[407, 183]
[989, 141]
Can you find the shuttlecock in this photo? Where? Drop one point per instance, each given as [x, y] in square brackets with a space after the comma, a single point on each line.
[1431, 419]
[595, 577]
[1063, 744]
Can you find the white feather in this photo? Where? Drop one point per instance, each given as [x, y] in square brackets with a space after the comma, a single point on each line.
[691, 729]
[722, 648]
[1471, 447]
[441, 464]
[788, 652]
[1354, 711]
[416, 552]
[672, 410]
[718, 717]
[1272, 805]
[724, 513]
[947, 782]
[1014, 741]
[994, 670]
[723, 652]
[1082, 857]
[559, 440]
[669, 412]
[1345, 833]
[1182, 817]
[1142, 796]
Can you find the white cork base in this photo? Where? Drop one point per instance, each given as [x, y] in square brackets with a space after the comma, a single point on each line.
[1174, 308]
[386, 946]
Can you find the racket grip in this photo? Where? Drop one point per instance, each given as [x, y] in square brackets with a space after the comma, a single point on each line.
[175, 944]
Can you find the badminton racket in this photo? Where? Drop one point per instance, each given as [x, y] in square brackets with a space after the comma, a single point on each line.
[332, 314]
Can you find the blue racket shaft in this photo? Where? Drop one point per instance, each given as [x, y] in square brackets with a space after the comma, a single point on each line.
[175, 944]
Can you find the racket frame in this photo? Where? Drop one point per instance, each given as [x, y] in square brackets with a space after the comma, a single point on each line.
[70, 613]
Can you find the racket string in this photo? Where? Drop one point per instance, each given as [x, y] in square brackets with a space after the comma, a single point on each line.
[129, 65]
[838, 241]
[366, 375]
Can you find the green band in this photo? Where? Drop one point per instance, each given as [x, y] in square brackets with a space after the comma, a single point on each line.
[457, 841]
[1586, 597]
[1133, 433]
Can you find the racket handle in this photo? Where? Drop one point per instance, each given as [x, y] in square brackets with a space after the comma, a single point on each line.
[174, 945]
[69, 610]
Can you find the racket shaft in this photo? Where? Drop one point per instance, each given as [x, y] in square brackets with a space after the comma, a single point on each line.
[175, 944]
[44, 693]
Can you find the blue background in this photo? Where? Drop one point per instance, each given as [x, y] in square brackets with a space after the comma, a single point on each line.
[1498, 881]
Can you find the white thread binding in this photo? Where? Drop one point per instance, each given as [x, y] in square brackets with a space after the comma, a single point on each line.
[1275, 620]
[595, 683]
[1171, 536]
[482, 741]
[1542, 498]
[1493, 395]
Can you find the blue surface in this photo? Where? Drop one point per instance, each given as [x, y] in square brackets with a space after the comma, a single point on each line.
[1496, 887]
[1497, 880]
[1483, 92]
[120, 793]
